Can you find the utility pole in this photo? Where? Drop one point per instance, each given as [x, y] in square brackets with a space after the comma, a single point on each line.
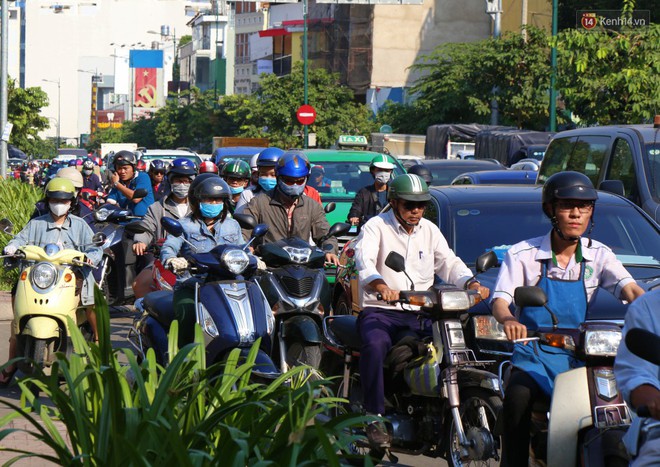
[305, 76]
[4, 94]
[553, 73]
[494, 9]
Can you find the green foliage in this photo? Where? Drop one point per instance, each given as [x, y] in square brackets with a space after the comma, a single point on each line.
[567, 9]
[17, 200]
[24, 108]
[458, 81]
[608, 77]
[184, 414]
[105, 135]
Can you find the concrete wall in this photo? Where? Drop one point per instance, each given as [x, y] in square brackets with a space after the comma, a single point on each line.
[58, 43]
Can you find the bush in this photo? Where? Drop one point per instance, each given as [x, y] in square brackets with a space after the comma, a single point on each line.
[17, 200]
[184, 414]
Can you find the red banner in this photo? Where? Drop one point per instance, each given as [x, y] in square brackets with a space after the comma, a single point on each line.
[146, 83]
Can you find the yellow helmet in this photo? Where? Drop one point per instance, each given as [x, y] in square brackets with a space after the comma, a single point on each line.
[60, 188]
[71, 173]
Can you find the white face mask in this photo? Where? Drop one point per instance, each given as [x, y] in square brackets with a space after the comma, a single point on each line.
[59, 209]
[383, 177]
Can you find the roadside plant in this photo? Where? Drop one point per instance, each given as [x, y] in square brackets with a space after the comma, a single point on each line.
[185, 414]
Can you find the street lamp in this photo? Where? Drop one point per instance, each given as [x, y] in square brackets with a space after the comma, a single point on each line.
[58, 107]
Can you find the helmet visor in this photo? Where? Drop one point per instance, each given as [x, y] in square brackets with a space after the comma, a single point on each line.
[576, 192]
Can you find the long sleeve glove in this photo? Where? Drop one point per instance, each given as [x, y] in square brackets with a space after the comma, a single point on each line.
[177, 265]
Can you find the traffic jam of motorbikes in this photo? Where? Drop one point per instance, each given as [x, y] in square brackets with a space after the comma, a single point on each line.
[506, 357]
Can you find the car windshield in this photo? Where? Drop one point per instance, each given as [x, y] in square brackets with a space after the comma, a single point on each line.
[628, 233]
[343, 179]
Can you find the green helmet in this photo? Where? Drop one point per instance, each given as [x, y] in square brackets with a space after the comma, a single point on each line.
[60, 188]
[409, 187]
[382, 162]
[237, 168]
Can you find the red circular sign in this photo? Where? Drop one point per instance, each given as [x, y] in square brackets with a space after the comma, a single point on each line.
[306, 114]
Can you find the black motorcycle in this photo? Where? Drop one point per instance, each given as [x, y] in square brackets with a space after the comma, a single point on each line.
[440, 404]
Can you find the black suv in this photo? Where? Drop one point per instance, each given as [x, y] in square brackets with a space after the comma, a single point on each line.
[622, 159]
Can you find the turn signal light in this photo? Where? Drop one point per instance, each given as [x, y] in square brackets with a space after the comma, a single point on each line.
[67, 277]
[560, 341]
[24, 275]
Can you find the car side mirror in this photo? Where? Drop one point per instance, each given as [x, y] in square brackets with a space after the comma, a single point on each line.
[395, 262]
[140, 193]
[6, 226]
[530, 296]
[613, 186]
[486, 261]
[172, 226]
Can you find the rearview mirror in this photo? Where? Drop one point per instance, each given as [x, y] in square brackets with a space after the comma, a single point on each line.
[340, 228]
[529, 296]
[259, 230]
[486, 261]
[6, 226]
[246, 221]
[172, 226]
[330, 207]
[395, 262]
[140, 193]
[99, 238]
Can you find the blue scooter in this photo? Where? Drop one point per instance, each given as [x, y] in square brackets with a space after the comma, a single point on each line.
[231, 310]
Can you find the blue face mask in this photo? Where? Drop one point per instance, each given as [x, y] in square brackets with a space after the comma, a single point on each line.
[267, 183]
[291, 190]
[236, 189]
[210, 211]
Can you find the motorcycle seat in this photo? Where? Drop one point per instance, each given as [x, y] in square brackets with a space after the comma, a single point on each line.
[345, 330]
[160, 305]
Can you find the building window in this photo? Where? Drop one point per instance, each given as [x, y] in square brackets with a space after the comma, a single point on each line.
[242, 48]
[246, 7]
[282, 55]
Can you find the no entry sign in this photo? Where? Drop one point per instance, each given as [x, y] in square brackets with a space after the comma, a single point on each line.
[306, 114]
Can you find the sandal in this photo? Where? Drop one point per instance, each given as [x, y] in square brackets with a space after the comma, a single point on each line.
[6, 376]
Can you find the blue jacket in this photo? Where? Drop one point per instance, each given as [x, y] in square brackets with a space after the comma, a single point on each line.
[140, 209]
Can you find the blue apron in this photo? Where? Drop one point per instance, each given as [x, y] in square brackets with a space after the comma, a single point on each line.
[568, 300]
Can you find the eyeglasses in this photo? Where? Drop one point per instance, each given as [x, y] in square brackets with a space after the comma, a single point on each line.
[294, 181]
[410, 205]
[158, 172]
[585, 207]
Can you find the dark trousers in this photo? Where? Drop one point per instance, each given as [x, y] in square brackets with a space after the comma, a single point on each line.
[521, 393]
[379, 329]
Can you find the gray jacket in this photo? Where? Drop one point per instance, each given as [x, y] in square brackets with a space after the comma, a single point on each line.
[166, 207]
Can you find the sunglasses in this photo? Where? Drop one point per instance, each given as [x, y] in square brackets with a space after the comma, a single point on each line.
[410, 205]
[294, 181]
[158, 172]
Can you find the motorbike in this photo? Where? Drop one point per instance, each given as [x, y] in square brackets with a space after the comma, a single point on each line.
[46, 297]
[117, 272]
[587, 416]
[298, 291]
[446, 405]
[231, 310]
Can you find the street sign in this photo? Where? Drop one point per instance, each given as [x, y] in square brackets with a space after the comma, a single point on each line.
[6, 131]
[352, 140]
[306, 114]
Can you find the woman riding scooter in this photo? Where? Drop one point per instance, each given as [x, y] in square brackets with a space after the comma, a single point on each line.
[65, 230]
[206, 227]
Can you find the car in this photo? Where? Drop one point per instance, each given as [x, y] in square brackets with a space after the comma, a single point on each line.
[496, 177]
[526, 164]
[446, 170]
[477, 218]
[167, 155]
[221, 155]
[624, 159]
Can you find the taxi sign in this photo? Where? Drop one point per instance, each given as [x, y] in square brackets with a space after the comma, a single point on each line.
[353, 140]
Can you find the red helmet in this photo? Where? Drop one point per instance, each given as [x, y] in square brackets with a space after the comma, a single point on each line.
[141, 165]
[208, 167]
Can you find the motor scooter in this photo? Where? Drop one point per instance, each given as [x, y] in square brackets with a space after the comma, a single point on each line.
[46, 298]
[231, 310]
[446, 406]
[587, 415]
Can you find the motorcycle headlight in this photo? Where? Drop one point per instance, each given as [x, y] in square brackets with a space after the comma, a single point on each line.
[102, 214]
[455, 300]
[487, 327]
[206, 322]
[298, 255]
[235, 260]
[602, 342]
[44, 275]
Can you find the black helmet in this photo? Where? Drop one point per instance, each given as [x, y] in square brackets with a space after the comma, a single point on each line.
[124, 158]
[198, 180]
[568, 185]
[422, 171]
[209, 187]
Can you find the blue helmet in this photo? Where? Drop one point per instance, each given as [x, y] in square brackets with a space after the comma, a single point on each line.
[268, 157]
[293, 164]
[158, 166]
[181, 166]
[73, 163]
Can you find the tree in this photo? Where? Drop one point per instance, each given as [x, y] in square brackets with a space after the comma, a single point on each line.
[459, 80]
[23, 110]
[608, 77]
[105, 135]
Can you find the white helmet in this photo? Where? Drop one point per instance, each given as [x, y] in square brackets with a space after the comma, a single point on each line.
[253, 162]
[71, 173]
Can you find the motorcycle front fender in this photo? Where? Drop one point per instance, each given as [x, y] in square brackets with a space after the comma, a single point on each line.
[263, 365]
[570, 412]
[41, 327]
[474, 378]
[301, 328]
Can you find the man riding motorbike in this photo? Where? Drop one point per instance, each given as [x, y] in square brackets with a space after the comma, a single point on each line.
[569, 268]
[372, 198]
[125, 180]
[90, 179]
[159, 185]
[204, 228]
[237, 175]
[66, 230]
[266, 162]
